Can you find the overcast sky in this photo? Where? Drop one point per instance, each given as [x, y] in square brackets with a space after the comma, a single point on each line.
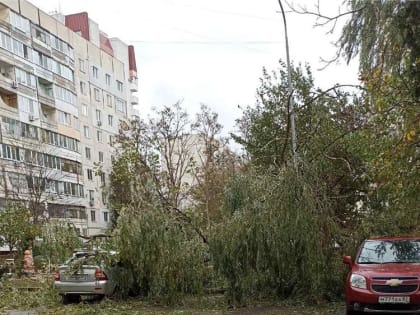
[210, 51]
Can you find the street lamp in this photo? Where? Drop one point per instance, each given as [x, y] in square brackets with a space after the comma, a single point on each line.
[289, 82]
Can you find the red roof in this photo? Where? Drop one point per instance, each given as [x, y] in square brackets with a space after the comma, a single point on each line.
[79, 22]
[132, 61]
[106, 44]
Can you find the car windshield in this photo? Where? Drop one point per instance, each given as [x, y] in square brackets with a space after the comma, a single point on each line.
[390, 251]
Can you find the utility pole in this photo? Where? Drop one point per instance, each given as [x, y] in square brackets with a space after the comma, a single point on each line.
[291, 99]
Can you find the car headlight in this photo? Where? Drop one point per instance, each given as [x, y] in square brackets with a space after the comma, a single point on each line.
[358, 281]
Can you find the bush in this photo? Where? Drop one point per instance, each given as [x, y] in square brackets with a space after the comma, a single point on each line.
[163, 256]
[279, 242]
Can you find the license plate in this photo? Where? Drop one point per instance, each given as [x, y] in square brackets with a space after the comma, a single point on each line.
[76, 277]
[394, 299]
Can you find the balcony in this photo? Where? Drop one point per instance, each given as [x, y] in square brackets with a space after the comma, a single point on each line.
[134, 100]
[46, 92]
[133, 84]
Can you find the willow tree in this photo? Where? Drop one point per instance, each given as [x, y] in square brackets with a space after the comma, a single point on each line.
[385, 35]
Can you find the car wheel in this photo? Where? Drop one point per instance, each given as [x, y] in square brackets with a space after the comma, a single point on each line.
[71, 298]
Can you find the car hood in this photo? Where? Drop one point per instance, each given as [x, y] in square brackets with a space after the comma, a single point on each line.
[384, 270]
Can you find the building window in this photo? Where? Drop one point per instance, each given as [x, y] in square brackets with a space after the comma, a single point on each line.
[101, 156]
[84, 110]
[105, 216]
[108, 79]
[27, 105]
[19, 22]
[86, 131]
[119, 86]
[96, 93]
[95, 72]
[76, 122]
[83, 88]
[104, 197]
[98, 117]
[99, 135]
[88, 153]
[121, 107]
[111, 140]
[110, 120]
[64, 118]
[82, 65]
[89, 174]
[91, 195]
[103, 176]
[25, 78]
[64, 95]
[93, 215]
[109, 100]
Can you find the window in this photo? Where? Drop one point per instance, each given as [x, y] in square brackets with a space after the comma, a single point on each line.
[93, 215]
[99, 135]
[103, 176]
[19, 22]
[81, 65]
[96, 93]
[107, 79]
[111, 140]
[64, 118]
[98, 116]
[110, 120]
[109, 100]
[64, 95]
[89, 174]
[27, 105]
[25, 78]
[76, 122]
[83, 88]
[101, 156]
[119, 86]
[84, 110]
[91, 195]
[104, 197]
[105, 216]
[95, 72]
[86, 131]
[121, 107]
[88, 153]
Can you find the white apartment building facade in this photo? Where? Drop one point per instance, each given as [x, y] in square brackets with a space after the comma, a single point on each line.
[65, 90]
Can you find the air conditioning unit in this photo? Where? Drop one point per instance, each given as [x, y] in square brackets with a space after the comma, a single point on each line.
[31, 117]
[91, 203]
[99, 123]
[14, 84]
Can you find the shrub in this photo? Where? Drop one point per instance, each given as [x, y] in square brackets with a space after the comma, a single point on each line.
[162, 255]
[277, 243]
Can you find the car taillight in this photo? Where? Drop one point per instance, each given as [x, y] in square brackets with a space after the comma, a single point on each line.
[57, 275]
[100, 275]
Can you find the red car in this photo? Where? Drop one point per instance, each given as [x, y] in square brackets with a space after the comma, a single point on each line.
[385, 277]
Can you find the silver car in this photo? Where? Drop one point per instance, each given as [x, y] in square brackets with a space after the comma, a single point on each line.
[83, 274]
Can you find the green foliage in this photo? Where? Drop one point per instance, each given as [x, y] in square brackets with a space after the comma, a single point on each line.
[15, 226]
[164, 257]
[386, 35]
[57, 242]
[390, 67]
[279, 241]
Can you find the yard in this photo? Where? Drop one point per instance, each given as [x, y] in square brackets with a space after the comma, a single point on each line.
[30, 297]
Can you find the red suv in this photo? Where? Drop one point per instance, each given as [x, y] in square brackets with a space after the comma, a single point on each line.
[384, 277]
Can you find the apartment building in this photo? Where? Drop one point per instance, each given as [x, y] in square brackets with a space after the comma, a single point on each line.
[65, 90]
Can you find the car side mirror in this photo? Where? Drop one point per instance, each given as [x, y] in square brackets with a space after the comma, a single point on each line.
[347, 260]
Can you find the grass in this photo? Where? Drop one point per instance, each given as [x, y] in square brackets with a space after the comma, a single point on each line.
[24, 295]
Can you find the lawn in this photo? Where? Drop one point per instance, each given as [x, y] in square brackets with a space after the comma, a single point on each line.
[40, 298]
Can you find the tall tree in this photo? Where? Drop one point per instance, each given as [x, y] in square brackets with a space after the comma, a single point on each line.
[385, 35]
